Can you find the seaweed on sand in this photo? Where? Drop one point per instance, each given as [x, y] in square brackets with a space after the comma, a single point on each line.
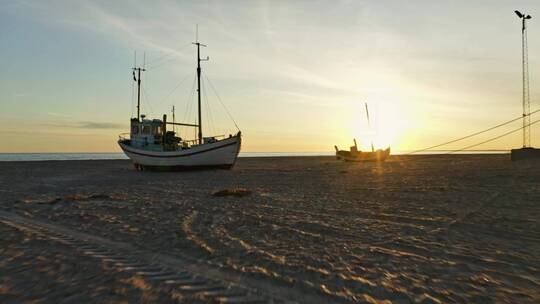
[238, 192]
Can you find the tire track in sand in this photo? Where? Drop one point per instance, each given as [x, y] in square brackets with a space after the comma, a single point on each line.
[184, 277]
[364, 289]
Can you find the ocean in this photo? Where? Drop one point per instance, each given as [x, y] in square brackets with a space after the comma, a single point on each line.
[120, 155]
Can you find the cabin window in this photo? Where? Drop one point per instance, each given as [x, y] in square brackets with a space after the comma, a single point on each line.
[156, 130]
[135, 129]
[146, 130]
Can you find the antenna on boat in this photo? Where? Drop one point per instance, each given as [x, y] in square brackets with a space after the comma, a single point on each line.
[132, 84]
[198, 44]
[173, 119]
[369, 125]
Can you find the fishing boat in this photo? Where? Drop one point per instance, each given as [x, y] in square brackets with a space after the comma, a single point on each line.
[354, 155]
[151, 146]
[378, 155]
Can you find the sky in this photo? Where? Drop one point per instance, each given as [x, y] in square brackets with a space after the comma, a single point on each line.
[294, 75]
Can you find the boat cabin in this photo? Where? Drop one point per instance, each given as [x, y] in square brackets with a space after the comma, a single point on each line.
[152, 134]
[145, 132]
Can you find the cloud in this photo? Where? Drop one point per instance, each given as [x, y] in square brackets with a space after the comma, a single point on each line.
[54, 114]
[100, 125]
[86, 125]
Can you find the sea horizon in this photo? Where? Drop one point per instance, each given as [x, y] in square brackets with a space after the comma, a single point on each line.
[40, 156]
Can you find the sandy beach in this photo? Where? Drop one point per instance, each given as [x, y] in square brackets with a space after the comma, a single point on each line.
[415, 229]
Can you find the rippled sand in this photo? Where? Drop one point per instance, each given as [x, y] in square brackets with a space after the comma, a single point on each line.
[423, 229]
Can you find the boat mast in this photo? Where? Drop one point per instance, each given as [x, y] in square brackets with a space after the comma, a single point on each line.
[198, 44]
[138, 79]
[369, 125]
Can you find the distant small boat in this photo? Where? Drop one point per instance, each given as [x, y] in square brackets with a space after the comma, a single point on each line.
[151, 146]
[354, 155]
[378, 155]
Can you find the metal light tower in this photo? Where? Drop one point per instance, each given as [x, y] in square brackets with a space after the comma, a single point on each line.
[525, 70]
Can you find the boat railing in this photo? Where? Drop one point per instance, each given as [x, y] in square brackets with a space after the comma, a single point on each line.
[124, 136]
[195, 141]
[127, 137]
[190, 140]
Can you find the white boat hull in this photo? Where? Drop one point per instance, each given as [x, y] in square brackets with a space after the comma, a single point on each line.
[220, 154]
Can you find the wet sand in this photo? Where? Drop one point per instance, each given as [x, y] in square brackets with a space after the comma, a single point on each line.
[417, 229]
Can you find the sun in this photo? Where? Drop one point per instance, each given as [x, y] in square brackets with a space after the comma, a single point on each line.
[386, 128]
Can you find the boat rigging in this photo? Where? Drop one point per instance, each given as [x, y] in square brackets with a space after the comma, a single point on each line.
[151, 146]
